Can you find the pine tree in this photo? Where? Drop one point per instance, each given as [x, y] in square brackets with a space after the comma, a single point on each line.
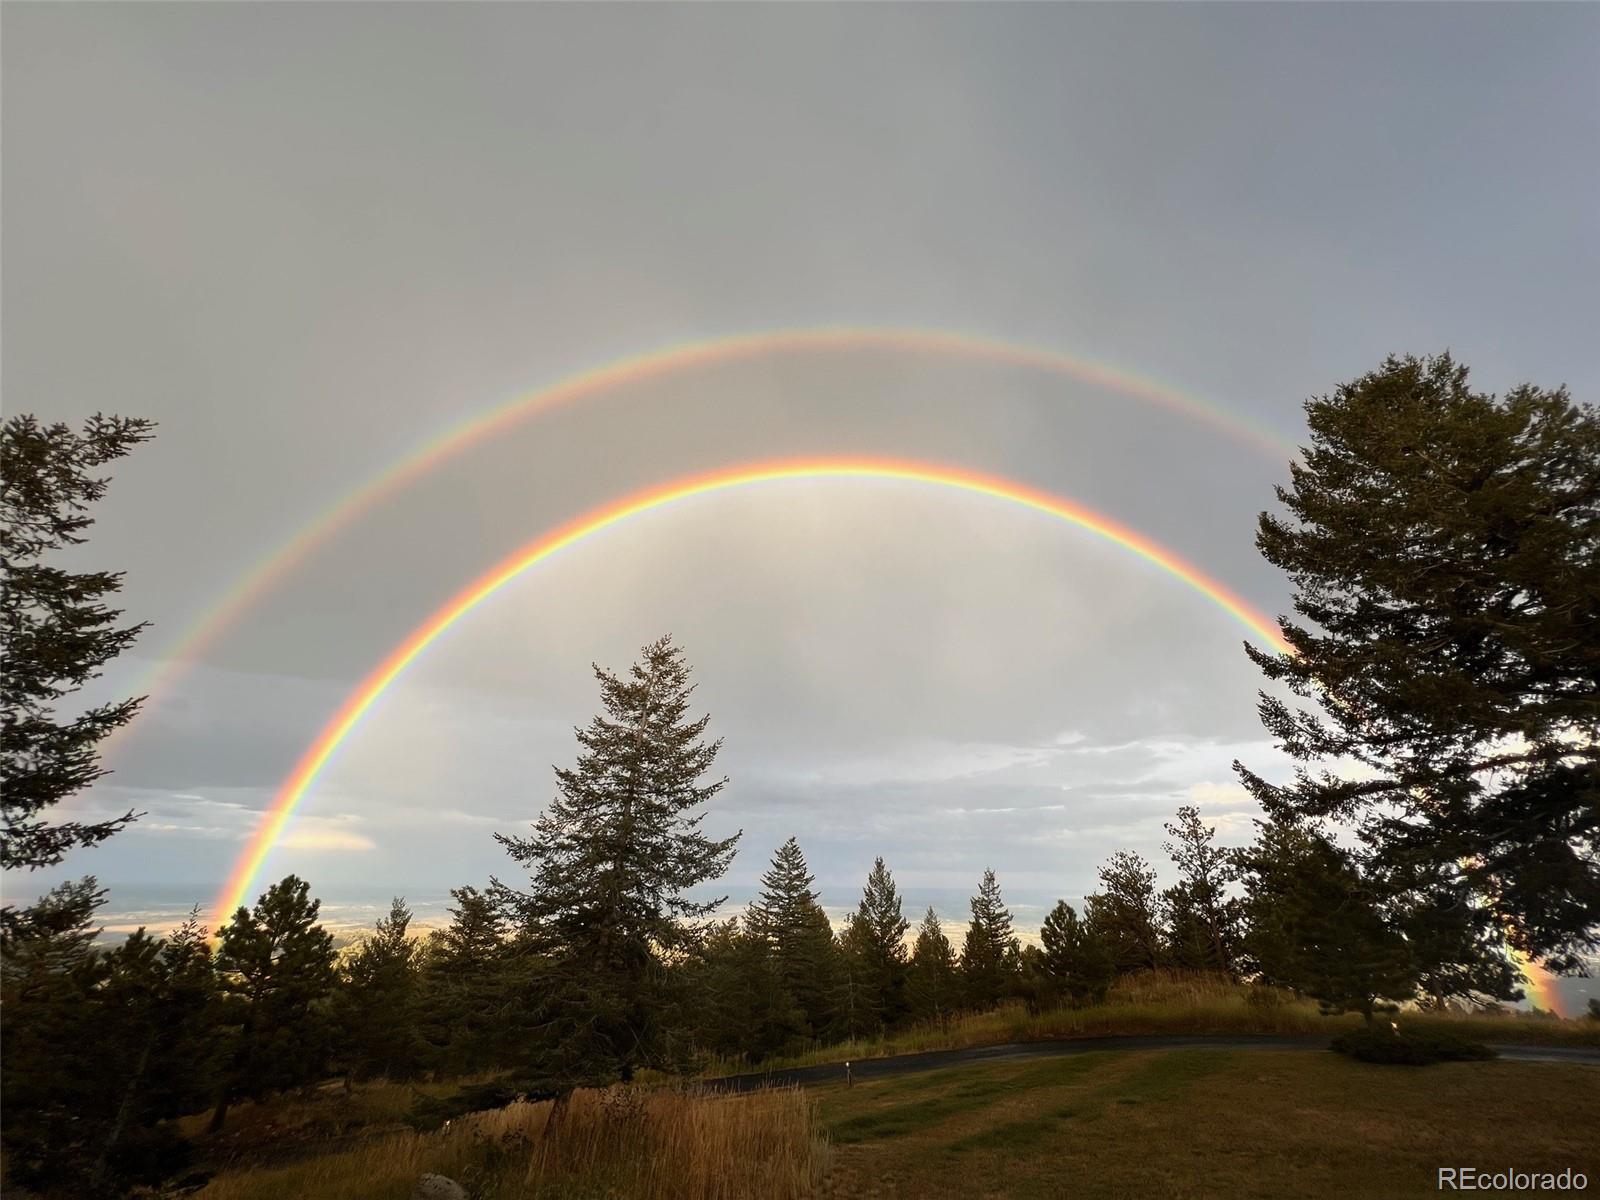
[1316, 924]
[988, 953]
[880, 941]
[158, 1051]
[741, 1007]
[58, 632]
[378, 1002]
[471, 988]
[1076, 958]
[933, 985]
[1457, 946]
[276, 968]
[1202, 922]
[55, 1112]
[1445, 549]
[786, 913]
[1124, 911]
[854, 1013]
[610, 863]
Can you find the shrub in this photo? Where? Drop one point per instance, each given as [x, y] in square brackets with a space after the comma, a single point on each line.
[1411, 1048]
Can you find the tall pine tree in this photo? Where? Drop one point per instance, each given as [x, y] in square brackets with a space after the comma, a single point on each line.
[473, 988]
[1124, 911]
[933, 985]
[990, 951]
[786, 913]
[880, 926]
[378, 1002]
[276, 968]
[57, 632]
[1202, 920]
[1318, 925]
[1444, 545]
[1076, 958]
[610, 864]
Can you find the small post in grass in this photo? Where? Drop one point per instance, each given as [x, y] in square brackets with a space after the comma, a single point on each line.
[849, 1079]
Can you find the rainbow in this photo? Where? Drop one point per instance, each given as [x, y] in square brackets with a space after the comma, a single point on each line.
[360, 701]
[1541, 984]
[658, 364]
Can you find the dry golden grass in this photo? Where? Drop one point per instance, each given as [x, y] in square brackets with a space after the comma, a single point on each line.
[1175, 1002]
[644, 1143]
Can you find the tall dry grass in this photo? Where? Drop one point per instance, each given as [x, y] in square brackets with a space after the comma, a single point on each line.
[644, 1143]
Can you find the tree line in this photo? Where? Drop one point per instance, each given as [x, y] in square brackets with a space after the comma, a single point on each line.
[1444, 547]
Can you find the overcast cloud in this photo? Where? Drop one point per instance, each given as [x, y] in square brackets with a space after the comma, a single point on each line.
[307, 238]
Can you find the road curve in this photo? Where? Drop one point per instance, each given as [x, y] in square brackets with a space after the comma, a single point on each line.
[934, 1060]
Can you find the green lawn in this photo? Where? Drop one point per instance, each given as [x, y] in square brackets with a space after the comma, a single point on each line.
[1204, 1123]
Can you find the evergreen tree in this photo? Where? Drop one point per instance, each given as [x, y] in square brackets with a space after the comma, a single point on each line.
[1316, 924]
[932, 983]
[276, 968]
[55, 1112]
[1457, 946]
[787, 915]
[1076, 959]
[471, 989]
[377, 1009]
[609, 864]
[1445, 549]
[58, 632]
[1202, 922]
[988, 955]
[881, 931]
[1124, 912]
[741, 1006]
[854, 1014]
[158, 1056]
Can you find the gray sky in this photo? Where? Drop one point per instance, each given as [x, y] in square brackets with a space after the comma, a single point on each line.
[307, 238]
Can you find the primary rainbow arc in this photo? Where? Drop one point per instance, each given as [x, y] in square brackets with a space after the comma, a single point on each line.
[366, 694]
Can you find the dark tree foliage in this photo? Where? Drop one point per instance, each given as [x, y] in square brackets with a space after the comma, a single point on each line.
[989, 954]
[275, 965]
[933, 982]
[740, 1006]
[101, 1050]
[58, 631]
[610, 863]
[377, 1005]
[1202, 920]
[1457, 945]
[54, 1116]
[787, 915]
[1076, 959]
[880, 927]
[854, 1014]
[1124, 911]
[1317, 924]
[475, 984]
[1444, 546]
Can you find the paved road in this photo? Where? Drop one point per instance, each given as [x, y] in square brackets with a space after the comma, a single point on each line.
[934, 1060]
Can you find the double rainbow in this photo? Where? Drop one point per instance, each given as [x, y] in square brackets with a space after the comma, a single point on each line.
[656, 365]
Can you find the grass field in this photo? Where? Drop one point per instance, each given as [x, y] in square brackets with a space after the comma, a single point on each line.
[1171, 1002]
[1178, 1123]
[1201, 1123]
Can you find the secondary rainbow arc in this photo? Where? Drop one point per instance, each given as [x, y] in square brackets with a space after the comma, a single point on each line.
[656, 364]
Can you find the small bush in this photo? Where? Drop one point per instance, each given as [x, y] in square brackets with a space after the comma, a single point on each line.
[1411, 1048]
